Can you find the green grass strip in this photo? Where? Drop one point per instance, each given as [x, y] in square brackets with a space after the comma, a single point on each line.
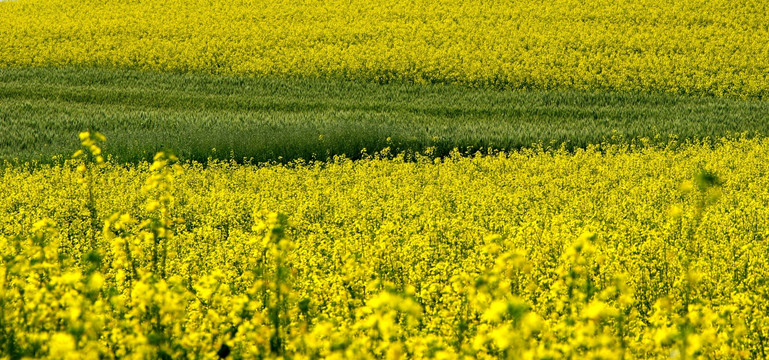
[43, 109]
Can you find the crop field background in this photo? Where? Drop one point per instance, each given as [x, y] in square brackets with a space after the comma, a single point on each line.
[693, 46]
[389, 179]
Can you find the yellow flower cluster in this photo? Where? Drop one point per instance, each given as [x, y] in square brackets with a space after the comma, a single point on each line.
[614, 251]
[693, 46]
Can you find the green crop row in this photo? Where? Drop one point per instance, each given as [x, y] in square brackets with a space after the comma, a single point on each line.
[264, 119]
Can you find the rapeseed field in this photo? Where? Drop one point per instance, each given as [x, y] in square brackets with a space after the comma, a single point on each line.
[607, 252]
[692, 46]
[386, 179]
